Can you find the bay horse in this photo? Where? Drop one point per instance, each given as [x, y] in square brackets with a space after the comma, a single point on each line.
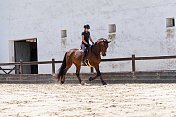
[75, 56]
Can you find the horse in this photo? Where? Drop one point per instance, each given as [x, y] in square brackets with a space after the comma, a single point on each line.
[75, 56]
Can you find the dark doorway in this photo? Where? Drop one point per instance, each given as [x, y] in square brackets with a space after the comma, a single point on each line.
[26, 50]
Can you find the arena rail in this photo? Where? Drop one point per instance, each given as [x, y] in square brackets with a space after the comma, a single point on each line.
[133, 58]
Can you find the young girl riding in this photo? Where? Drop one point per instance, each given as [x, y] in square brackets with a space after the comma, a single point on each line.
[85, 38]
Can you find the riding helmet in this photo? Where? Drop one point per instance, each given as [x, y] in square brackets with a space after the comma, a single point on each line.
[87, 26]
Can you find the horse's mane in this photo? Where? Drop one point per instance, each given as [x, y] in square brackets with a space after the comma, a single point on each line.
[101, 39]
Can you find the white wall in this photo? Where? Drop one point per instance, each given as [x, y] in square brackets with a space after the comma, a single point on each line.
[141, 29]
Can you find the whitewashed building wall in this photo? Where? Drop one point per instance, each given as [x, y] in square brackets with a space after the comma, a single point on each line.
[140, 29]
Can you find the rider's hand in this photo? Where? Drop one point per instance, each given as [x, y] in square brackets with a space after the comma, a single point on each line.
[93, 43]
[88, 45]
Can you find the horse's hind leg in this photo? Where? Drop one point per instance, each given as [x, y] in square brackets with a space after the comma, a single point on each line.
[63, 79]
[78, 73]
[66, 69]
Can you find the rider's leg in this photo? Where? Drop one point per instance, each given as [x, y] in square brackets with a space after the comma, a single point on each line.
[83, 47]
[85, 51]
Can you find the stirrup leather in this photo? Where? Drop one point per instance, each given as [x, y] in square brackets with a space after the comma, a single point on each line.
[87, 63]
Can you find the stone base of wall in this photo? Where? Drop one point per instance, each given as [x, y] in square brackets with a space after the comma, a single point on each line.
[120, 77]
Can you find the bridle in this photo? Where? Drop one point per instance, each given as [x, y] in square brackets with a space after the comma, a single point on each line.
[103, 48]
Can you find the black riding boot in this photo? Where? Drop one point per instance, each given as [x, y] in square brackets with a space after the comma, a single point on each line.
[85, 55]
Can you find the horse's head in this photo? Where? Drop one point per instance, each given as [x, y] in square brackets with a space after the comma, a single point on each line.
[103, 45]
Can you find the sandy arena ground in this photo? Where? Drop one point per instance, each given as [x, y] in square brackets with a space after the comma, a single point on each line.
[45, 100]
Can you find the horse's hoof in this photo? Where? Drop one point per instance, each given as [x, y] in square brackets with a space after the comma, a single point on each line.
[62, 82]
[57, 81]
[104, 83]
[82, 83]
[90, 79]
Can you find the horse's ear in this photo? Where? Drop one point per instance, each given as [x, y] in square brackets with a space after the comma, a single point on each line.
[108, 41]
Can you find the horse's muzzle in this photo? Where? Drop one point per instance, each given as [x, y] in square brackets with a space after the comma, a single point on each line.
[104, 54]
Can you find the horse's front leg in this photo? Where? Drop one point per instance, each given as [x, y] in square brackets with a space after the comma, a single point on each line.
[98, 75]
[103, 82]
[93, 78]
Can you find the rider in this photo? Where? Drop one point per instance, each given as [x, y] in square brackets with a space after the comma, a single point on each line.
[85, 39]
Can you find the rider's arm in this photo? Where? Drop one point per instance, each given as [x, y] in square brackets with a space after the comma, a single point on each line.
[84, 40]
[91, 39]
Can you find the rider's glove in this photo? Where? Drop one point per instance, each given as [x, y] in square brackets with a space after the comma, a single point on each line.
[93, 43]
[88, 45]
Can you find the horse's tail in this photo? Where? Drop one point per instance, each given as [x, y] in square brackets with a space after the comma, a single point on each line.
[61, 70]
